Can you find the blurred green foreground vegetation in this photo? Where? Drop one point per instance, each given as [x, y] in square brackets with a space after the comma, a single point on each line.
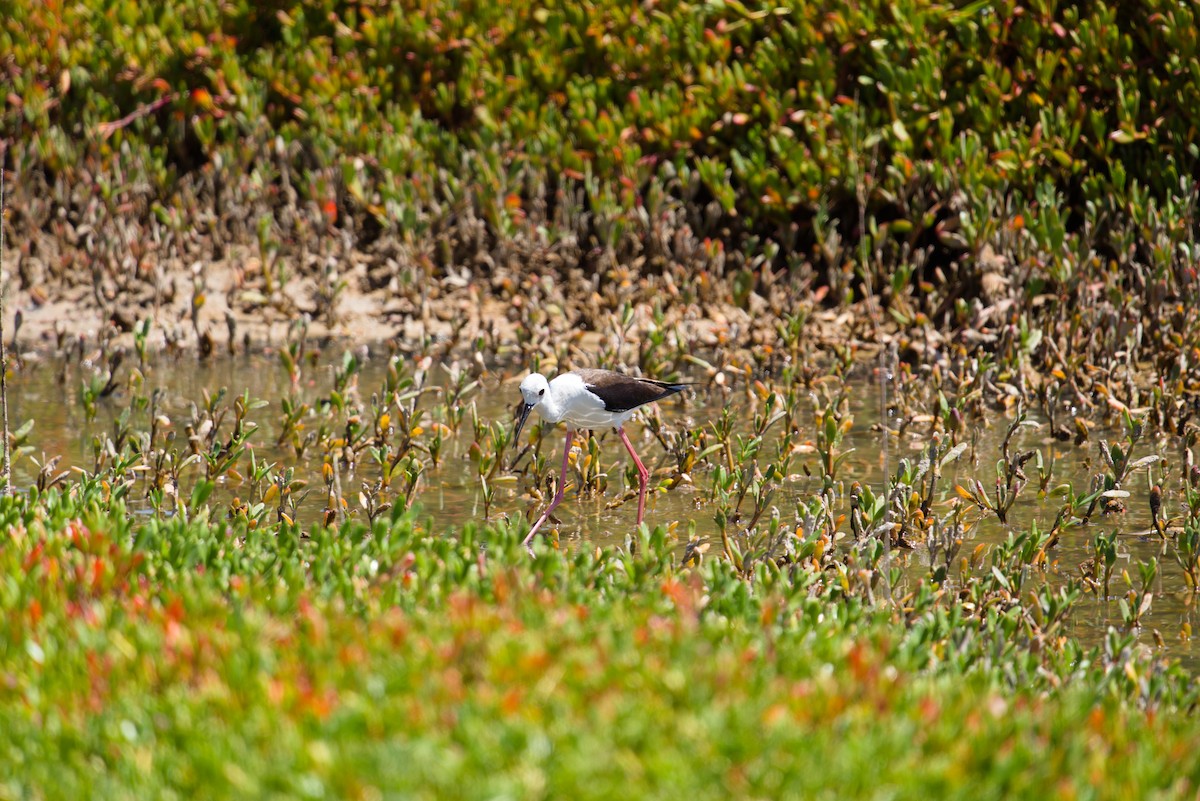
[166, 659]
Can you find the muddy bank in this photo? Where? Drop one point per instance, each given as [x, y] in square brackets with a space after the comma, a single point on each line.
[227, 303]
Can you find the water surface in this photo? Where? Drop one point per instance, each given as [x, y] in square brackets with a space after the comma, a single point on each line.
[451, 494]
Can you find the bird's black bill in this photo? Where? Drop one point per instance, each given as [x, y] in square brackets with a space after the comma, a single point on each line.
[526, 408]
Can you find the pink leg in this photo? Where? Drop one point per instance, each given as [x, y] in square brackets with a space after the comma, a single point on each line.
[643, 474]
[558, 496]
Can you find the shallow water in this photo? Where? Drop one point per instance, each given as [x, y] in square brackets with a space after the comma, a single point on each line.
[451, 494]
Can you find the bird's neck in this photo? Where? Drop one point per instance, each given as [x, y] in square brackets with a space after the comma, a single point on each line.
[550, 409]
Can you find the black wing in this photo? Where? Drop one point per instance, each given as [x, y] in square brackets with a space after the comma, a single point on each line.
[621, 393]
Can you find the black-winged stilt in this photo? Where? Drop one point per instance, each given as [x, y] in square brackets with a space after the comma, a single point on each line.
[590, 399]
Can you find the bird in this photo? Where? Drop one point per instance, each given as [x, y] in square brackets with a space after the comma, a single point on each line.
[590, 398]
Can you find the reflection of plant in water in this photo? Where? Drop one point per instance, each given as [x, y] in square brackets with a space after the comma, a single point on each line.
[1010, 476]
[833, 421]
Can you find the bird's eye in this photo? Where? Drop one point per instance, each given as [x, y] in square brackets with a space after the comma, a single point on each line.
[541, 392]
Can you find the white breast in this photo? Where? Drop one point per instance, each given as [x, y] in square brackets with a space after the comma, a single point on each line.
[578, 407]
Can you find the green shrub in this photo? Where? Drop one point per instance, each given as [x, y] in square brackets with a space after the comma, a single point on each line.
[778, 110]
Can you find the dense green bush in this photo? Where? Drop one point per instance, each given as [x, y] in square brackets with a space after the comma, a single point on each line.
[1062, 115]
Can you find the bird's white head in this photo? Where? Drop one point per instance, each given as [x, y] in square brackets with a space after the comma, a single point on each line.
[533, 392]
[534, 388]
